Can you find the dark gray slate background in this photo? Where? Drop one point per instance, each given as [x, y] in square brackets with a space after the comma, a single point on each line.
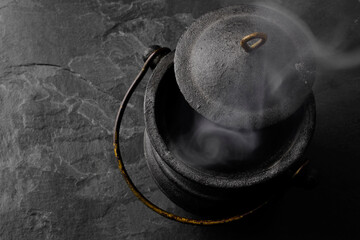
[64, 67]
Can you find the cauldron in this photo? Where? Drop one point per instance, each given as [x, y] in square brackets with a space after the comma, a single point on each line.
[220, 140]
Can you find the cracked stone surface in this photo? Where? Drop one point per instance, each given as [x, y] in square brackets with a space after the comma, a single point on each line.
[64, 67]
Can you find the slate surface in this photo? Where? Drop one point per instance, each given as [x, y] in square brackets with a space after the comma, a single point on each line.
[64, 66]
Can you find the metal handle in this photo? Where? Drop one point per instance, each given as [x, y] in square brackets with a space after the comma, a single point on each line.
[244, 42]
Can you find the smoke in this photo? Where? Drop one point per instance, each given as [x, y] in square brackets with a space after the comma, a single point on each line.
[208, 145]
[334, 59]
[211, 146]
[329, 54]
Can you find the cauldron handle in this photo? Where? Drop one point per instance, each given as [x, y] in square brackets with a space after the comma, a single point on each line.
[156, 54]
[244, 42]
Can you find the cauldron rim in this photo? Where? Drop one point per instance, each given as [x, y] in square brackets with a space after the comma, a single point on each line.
[289, 160]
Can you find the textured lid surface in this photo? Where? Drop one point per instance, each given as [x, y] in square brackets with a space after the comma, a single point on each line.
[240, 89]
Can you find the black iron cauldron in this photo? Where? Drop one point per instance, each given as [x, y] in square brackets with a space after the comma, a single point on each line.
[229, 114]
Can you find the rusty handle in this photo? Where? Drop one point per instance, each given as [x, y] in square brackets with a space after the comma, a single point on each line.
[244, 42]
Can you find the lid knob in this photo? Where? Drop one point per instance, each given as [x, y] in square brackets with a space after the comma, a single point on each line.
[244, 42]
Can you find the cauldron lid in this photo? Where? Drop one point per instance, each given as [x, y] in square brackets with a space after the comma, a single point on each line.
[240, 89]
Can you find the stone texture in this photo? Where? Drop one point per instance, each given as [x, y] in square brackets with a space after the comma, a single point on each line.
[64, 67]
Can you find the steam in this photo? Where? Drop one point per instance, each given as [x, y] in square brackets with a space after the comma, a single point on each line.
[334, 59]
[209, 145]
[330, 54]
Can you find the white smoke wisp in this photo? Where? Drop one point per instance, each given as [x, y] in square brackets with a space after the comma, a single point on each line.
[333, 59]
[330, 55]
[209, 145]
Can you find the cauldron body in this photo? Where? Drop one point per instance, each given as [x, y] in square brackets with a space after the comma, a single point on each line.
[216, 190]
